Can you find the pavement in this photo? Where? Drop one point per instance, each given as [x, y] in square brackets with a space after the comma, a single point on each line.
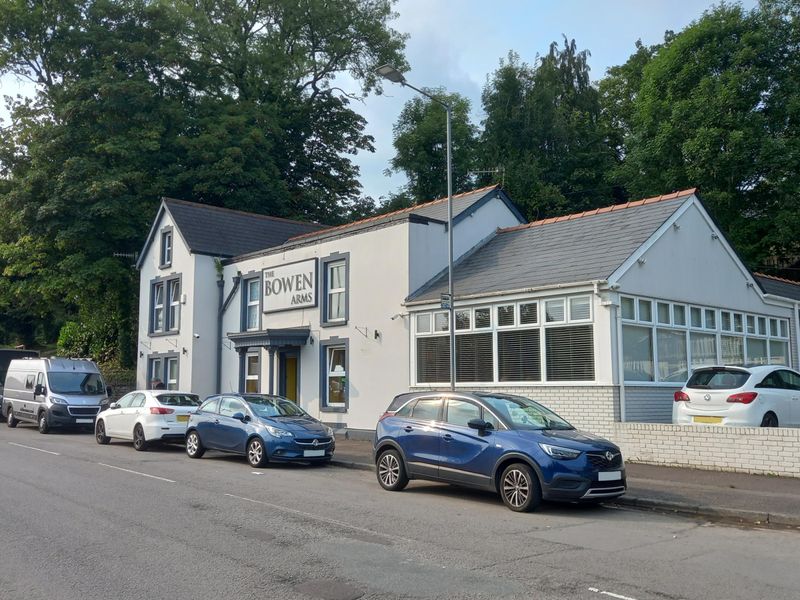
[714, 495]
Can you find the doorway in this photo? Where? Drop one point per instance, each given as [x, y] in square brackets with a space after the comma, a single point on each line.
[289, 374]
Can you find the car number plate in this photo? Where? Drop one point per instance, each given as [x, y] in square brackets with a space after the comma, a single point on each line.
[84, 420]
[311, 453]
[182, 418]
[716, 420]
[609, 475]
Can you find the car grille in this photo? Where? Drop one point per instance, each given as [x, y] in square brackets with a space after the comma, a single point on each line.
[599, 460]
[310, 441]
[83, 411]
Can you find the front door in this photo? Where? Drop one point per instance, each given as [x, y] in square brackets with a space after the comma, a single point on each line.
[289, 385]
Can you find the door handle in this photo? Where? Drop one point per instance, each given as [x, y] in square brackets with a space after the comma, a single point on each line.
[216, 421]
[408, 428]
[447, 437]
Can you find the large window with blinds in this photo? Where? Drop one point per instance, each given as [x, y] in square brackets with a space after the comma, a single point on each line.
[662, 341]
[512, 342]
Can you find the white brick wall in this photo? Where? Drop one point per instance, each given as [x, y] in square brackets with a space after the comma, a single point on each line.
[763, 451]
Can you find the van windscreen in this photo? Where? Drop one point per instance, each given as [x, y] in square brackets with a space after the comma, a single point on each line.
[718, 379]
[73, 382]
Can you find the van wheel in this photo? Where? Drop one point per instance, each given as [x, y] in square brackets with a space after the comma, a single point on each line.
[139, 443]
[10, 420]
[100, 433]
[44, 426]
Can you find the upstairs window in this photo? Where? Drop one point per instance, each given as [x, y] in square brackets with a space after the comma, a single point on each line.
[335, 293]
[158, 308]
[174, 314]
[252, 304]
[166, 248]
[165, 300]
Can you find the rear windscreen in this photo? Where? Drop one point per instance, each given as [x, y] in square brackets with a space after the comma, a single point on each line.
[179, 399]
[718, 379]
[399, 401]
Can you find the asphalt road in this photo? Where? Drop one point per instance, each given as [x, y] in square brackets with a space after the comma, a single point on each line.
[82, 521]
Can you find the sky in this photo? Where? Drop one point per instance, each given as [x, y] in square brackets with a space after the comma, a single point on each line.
[456, 44]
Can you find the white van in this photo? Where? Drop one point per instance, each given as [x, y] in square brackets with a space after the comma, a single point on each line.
[53, 392]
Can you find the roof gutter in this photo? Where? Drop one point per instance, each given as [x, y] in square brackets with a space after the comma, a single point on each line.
[594, 284]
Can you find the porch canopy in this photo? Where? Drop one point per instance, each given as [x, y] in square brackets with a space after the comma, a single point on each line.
[272, 339]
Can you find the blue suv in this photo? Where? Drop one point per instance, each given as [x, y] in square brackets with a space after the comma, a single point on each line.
[507, 444]
[263, 427]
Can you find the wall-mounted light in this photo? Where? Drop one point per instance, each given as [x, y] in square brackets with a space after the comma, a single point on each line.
[377, 335]
[676, 226]
[141, 354]
[642, 260]
[750, 284]
[714, 236]
[185, 351]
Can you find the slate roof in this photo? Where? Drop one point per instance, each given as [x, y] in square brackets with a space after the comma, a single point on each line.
[436, 210]
[225, 232]
[778, 286]
[574, 248]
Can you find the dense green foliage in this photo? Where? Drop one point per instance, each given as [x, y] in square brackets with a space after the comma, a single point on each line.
[227, 102]
[715, 106]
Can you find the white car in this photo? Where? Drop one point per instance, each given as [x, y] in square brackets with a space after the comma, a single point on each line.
[145, 416]
[766, 396]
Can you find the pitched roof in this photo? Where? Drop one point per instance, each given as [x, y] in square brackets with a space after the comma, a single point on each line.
[574, 248]
[779, 286]
[436, 210]
[225, 232]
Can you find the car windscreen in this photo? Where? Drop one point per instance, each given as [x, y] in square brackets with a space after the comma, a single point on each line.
[75, 382]
[717, 379]
[179, 399]
[523, 413]
[274, 406]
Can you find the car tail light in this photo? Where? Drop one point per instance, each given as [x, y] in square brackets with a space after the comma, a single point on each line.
[160, 410]
[386, 414]
[743, 397]
[681, 396]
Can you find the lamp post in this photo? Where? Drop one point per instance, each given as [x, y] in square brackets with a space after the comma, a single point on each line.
[392, 74]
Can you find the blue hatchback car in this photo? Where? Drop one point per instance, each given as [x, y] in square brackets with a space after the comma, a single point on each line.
[263, 427]
[507, 444]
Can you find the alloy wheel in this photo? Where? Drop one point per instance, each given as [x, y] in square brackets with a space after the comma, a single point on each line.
[389, 469]
[255, 452]
[516, 488]
[191, 444]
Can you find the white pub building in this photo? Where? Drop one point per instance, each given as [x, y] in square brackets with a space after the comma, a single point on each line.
[600, 315]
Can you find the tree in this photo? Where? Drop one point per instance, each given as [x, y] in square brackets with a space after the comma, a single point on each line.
[420, 142]
[718, 108]
[543, 126]
[228, 102]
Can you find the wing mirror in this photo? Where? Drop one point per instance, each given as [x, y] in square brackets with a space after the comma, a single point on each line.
[241, 417]
[114, 405]
[39, 390]
[481, 425]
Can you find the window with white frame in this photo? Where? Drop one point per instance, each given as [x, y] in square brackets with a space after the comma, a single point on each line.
[665, 345]
[174, 315]
[336, 291]
[252, 310]
[157, 323]
[155, 372]
[166, 248]
[171, 368]
[508, 342]
[336, 388]
[252, 371]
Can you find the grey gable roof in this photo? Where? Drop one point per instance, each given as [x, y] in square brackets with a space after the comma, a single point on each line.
[778, 286]
[224, 232]
[572, 249]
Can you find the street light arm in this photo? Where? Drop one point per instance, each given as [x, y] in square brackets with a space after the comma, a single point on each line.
[426, 94]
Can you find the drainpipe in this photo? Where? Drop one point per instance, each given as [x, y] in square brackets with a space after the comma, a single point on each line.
[796, 334]
[620, 362]
[222, 307]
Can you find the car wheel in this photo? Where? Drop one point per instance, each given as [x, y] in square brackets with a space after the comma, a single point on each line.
[100, 433]
[391, 471]
[194, 447]
[44, 426]
[11, 421]
[256, 453]
[139, 443]
[519, 488]
[770, 420]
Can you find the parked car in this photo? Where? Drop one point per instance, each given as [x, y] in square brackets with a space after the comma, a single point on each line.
[53, 392]
[507, 444]
[763, 396]
[263, 427]
[145, 416]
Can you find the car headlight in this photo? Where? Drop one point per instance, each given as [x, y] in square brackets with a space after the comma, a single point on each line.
[57, 400]
[560, 452]
[329, 431]
[279, 433]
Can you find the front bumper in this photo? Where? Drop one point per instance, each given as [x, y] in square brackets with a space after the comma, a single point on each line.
[574, 488]
[60, 415]
[281, 450]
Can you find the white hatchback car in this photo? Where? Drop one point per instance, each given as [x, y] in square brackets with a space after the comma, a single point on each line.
[765, 396]
[146, 416]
